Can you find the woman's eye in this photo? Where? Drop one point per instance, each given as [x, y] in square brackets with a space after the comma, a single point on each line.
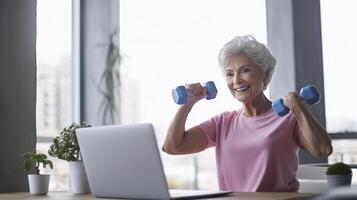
[229, 74]
[245, 70]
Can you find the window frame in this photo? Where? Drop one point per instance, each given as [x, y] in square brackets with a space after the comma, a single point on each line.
[343, 135]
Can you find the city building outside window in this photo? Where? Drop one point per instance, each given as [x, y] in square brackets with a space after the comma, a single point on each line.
[54, 80]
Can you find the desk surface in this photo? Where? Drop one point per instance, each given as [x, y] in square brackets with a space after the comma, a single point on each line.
[234, 196]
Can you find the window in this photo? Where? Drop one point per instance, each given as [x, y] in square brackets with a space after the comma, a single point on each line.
[54, 76]
[170, 43]
[339, 42]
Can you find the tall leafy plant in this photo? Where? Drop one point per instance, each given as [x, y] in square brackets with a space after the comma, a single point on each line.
[109, 83]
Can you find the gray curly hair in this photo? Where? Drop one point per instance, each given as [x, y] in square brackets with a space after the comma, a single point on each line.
[256, 51]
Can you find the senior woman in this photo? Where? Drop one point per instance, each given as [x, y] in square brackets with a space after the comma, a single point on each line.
[256, 150]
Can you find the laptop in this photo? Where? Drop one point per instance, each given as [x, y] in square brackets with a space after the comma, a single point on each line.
[123, 161]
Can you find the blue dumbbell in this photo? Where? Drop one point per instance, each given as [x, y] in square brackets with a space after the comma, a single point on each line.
[180, 95]
[309, 94]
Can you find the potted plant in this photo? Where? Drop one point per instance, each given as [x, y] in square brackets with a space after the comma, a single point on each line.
[339, 174]
[65, 147]
[38, 183]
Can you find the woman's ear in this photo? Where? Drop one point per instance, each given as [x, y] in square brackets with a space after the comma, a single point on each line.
[266, 77]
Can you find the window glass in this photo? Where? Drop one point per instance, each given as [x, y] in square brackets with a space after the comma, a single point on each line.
[54, 75]
[339, 44]
[339, 48]
[169, 43]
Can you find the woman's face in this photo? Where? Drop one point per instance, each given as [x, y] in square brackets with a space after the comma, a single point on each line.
[244, 78]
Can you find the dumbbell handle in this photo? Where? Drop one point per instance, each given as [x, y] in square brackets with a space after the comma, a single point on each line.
[180, 95]
[309, 94]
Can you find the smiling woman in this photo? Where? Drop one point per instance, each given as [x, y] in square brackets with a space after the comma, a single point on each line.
[253, 135]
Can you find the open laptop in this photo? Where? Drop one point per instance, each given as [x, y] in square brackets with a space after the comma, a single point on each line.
[123, 161]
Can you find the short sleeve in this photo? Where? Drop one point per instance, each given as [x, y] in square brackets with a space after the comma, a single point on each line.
[211, 129]
[208, 128]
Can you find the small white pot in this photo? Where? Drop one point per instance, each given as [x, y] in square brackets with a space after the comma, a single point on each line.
[39, 183]
[334, 181]
[78, 182]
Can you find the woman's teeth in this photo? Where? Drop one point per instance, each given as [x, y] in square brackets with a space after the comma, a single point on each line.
[242, 89]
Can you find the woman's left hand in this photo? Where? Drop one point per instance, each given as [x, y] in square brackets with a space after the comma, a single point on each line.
[292, 100]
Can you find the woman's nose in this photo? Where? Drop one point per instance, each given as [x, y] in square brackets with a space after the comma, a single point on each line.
[237, 79]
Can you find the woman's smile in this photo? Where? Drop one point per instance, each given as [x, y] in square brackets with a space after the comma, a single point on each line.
[242, 89]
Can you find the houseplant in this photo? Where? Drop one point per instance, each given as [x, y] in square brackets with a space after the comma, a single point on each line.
[339, 174]
[110, 82]
[65, 146]
[38, 183]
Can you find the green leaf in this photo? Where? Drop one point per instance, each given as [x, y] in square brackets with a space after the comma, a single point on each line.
[27, 155]
[42, 156]
[50, 164]
[37, 157]
[28, 164]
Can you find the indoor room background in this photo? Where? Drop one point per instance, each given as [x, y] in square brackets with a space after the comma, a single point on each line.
[164, 44]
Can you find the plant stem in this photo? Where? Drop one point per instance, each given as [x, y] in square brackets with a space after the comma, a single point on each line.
[37, 170]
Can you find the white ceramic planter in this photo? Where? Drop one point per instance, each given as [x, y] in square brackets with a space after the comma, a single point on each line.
[39, 183]
[78, 182]
[334, 181]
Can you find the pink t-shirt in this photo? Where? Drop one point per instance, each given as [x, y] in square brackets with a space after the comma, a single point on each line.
[254, 153]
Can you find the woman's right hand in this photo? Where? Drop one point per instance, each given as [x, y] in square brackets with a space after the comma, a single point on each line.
[195, 92]
[178, 140]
